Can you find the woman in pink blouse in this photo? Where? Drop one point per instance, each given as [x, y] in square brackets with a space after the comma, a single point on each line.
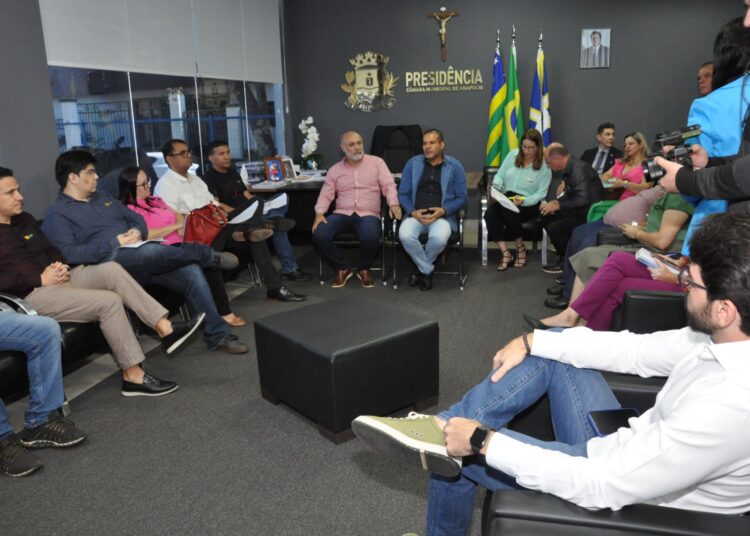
[163, 222]
[627, 172]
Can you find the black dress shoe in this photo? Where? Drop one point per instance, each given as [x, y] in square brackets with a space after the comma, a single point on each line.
[534, 323]
[556, 303]
[284, 294]
[151, 386]
[181, 331]
[415, 278]
[555, 268]
[556, 290]
[297, 275]
[426, 283]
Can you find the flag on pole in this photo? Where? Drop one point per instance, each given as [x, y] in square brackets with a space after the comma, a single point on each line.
[513, 113]
[539, 116]
[496, 121]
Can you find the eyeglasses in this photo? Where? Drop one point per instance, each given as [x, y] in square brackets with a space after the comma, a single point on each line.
[146, 185]
[186, 152]
[686, 282]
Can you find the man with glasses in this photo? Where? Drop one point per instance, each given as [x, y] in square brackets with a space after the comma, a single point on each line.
[183, 192]
[691, 450]
[92, 227]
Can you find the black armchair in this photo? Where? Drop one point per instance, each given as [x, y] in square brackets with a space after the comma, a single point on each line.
[527, 513]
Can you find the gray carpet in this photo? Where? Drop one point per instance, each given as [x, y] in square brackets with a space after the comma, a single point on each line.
[215, 458]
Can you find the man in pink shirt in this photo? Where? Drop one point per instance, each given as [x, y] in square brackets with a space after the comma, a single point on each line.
[356, 183]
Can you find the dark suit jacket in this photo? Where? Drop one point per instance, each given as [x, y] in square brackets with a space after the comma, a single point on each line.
[589, 155]
[582, 185]
[591, 59]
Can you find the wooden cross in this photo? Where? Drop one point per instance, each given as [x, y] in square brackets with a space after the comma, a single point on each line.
[442, 16]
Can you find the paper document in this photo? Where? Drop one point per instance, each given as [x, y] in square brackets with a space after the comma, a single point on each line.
[646, 258]
[244, 215]
[139, 244]
[276, 202]
[501, 198]
[265, 185]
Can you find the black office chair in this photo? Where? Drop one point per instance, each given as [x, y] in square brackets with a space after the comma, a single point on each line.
[347, 238]
[455, 242]
[396, 144]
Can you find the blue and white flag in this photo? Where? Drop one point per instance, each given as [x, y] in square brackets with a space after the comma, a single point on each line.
[539, 116]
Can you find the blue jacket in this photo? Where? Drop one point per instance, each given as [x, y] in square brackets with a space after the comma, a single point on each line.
[86, 231]
[452, 183]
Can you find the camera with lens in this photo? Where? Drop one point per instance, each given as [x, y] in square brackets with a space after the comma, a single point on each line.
[679, 152]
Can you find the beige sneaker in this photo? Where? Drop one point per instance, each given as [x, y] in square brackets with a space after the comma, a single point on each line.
[416, 438]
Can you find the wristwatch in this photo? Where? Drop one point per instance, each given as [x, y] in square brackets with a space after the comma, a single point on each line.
[479, 438]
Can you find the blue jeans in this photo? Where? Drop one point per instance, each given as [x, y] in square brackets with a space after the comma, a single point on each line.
[173, 268]
[368, 232]
[572, 392]
[39, 338]
[438, 233]
[583, 236]
[281, 243]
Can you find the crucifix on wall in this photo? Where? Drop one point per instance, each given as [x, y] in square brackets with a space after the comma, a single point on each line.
[443, 16]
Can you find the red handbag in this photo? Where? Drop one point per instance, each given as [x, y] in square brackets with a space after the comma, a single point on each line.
[204, 224]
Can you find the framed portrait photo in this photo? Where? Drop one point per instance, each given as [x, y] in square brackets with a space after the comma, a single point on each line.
[274, 169]
[288, 167]
[595, 48]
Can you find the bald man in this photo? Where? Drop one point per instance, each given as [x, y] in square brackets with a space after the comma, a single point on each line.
[356, 183]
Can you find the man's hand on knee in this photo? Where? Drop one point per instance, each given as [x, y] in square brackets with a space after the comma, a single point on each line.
[511, 355]
[319, 218]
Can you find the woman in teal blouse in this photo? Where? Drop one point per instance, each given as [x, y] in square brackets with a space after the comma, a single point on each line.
[524, 179]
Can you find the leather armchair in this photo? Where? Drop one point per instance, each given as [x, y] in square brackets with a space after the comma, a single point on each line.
[530, 513]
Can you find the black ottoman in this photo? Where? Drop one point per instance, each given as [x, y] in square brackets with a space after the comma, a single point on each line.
[336, 360]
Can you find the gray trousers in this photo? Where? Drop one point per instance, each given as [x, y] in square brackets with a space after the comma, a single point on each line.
[100, 293]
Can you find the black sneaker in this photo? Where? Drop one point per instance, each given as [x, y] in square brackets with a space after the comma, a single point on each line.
[297, 275]
[15, 460]
[555, 268]
[56, 432]
[231, 344]
[151, 386]
[225, 260]
[426, 283]
[181, 331]
[284, 294]
[415, 278]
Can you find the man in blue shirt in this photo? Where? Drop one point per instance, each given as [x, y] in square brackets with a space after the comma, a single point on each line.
[431, 192]
[91, 227]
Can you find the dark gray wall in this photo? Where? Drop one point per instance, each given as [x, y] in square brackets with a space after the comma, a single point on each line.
[28, 139]
[656, 50]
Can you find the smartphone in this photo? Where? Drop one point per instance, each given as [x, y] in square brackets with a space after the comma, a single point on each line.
[609, 421]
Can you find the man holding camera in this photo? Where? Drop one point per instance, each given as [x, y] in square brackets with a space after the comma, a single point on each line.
[432, 191]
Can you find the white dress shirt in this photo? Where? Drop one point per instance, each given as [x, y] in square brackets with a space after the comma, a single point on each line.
[183, 194]
[691, 450]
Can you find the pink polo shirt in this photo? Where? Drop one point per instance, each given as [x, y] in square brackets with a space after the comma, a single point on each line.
[158, 215]
[357, 188]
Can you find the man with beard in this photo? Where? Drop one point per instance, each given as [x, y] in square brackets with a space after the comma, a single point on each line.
[356, 183]
[691, 450]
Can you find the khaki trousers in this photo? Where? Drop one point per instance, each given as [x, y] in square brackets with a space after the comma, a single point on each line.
[97, 294]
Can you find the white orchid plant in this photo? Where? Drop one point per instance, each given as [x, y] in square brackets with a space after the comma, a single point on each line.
[311, 137]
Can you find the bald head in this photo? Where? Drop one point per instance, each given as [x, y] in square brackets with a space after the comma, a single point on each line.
[352, 146]
[557, 156]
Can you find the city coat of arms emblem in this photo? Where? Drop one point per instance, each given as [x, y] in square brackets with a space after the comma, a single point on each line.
[369, 85]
